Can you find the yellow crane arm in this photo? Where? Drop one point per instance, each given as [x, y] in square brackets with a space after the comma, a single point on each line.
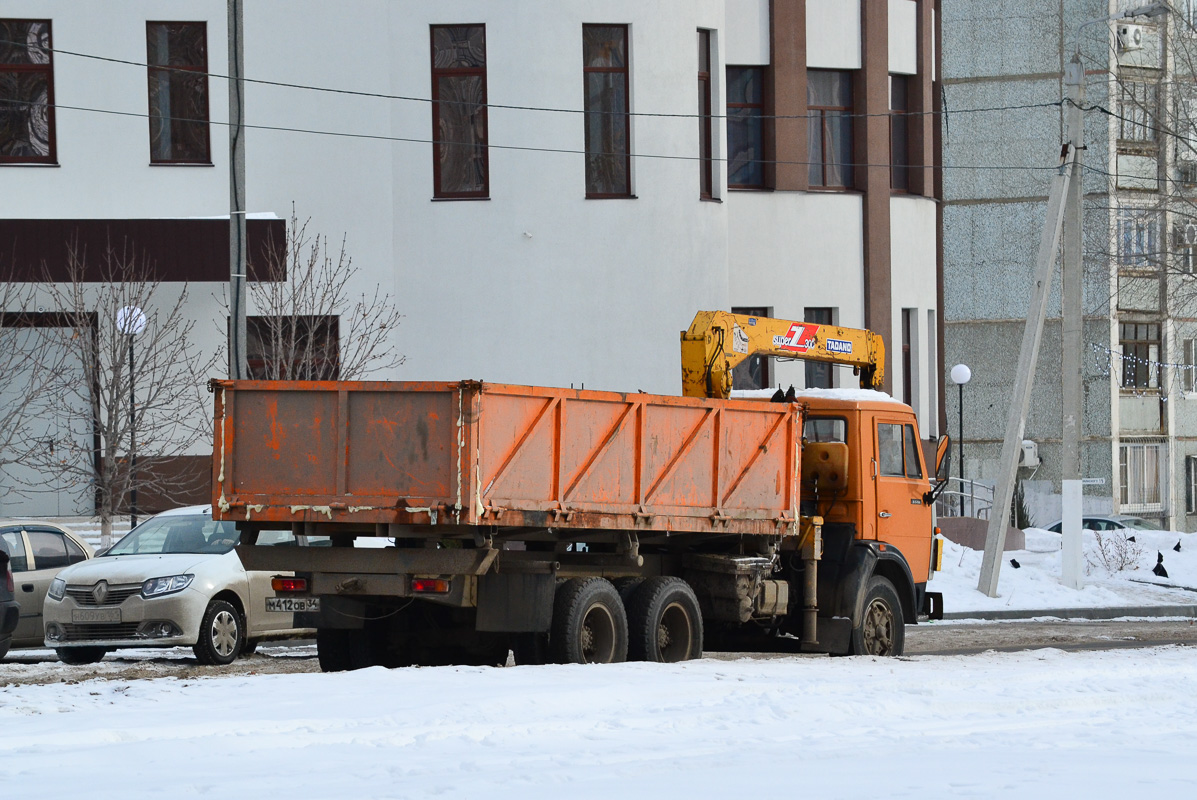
[717, 341]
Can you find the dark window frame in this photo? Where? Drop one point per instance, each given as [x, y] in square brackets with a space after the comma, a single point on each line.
[460, 72]
[706, 172]
[737, 109]
[900, 162]
[48, 68]
[754, 372]
[153, 69]
[822, 113]
[1136, 340]
[587, 70]
[819, 374]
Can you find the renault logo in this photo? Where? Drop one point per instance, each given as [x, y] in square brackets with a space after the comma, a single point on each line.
[100, 592]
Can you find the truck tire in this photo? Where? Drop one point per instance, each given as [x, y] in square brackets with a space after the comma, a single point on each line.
[664, 622]
[221, 635]
[882, 631]
[590, 625]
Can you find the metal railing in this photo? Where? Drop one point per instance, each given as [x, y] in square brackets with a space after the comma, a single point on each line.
[965, 498]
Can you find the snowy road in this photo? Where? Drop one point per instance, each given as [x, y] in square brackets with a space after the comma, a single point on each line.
[1041, 723]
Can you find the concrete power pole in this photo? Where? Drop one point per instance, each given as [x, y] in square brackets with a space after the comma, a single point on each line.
[1071, 300]
[1059, 198]
[237, 236]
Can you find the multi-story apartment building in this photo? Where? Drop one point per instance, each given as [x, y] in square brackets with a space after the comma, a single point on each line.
[1003, 79]
[549, 189]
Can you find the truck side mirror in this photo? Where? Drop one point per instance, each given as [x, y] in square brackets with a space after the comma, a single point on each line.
[943, 457]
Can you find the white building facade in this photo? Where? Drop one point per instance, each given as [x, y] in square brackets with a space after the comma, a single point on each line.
[550, 190]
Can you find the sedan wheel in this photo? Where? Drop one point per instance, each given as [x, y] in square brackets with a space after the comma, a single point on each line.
[221, 634]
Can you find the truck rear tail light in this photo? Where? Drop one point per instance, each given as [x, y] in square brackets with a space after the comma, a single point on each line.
[289, 584]
[429, 585]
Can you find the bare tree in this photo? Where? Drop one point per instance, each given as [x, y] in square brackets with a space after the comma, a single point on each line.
[141, 401]
[308, 324]
[29, 362]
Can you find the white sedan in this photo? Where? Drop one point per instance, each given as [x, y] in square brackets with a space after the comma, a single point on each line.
[173, 580]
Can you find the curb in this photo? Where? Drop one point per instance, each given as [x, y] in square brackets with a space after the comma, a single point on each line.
[1113, 612]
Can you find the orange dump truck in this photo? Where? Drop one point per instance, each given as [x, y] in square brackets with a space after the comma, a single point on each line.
[577, 526]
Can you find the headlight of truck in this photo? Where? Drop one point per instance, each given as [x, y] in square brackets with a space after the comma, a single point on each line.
[57, 589]
[156, 587]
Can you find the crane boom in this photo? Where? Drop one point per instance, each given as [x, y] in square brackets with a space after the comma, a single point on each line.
[717, 341]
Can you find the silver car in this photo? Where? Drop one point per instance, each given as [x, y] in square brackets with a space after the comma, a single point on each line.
[173, 580]
[37, 552]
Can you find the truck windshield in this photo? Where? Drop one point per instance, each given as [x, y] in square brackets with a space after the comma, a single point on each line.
[178, 533]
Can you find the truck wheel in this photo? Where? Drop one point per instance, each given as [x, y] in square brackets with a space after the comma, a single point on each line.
[221, 635]
[882, 631]
[590, 625]
[80, 655]
[664, 622]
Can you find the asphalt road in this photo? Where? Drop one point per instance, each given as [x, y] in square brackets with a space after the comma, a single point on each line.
[935, 639]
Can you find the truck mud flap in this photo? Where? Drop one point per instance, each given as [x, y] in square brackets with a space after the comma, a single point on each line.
[932, 605]
[514, 602]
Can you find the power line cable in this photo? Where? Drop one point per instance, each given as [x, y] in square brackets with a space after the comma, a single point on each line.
[512, 107]
[525, 148]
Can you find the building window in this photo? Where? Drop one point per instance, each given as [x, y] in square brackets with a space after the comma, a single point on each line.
[752, 372]
[818, 373]
[1140, 342]
[1138, 232]
[1188, 380]
[829, 103]
[745, 138]
[608, 131]
[1138, 107]
[293, 348]
[459, 163]
[1191, 484]
[705, 177]
[1142, 469]
[1185, 235]
[177, 55]
[26, 92]
[899, 133]
[908, 316]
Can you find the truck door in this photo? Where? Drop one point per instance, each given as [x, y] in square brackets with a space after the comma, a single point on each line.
[902, 519]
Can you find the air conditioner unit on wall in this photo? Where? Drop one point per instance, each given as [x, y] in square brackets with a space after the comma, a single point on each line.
[1028, 454]
[1130, 37]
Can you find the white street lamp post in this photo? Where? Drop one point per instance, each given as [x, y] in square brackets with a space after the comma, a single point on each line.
[131, 320]
[961, 375]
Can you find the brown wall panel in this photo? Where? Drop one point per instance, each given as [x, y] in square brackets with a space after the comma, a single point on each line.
[786, 87]
[191, 250]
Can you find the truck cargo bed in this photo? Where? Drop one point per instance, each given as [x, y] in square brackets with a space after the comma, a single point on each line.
[422, 454]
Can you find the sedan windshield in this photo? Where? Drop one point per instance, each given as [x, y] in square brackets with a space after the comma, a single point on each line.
[191, 533]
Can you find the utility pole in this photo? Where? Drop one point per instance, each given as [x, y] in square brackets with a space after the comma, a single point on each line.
[1072, 317]
[237, 236]
[1024, 376]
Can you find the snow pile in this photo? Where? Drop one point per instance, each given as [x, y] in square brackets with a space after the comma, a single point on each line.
[1035, 584]
[1032, 724]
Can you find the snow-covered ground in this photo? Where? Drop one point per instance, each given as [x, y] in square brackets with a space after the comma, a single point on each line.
[1035, 584]
[1032, 724]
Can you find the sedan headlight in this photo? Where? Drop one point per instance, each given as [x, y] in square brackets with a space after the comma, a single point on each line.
[156, 587]
[57, 589]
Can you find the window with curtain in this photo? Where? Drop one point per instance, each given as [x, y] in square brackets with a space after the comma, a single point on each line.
[829, 105]
[177, 55]
[26, 92]
[460, 166]
[745, 117]
[608, 134]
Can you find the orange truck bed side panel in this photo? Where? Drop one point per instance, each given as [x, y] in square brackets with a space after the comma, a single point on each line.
[489, 454]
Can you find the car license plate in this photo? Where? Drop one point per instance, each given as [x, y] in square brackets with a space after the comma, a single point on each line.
[96, 615]
[292, 604]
